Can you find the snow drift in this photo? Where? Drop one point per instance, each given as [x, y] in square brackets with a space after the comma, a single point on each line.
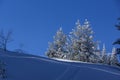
[29, 67]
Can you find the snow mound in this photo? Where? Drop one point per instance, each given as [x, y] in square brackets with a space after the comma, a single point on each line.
[29, 67]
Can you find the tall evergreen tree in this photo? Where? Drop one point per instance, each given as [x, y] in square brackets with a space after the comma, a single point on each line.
[75, 42]
[57, 47]
[82, 42]
[98, 52]
[113, 59]
[104, 55]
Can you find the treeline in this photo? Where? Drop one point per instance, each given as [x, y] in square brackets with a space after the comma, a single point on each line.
[79, 45]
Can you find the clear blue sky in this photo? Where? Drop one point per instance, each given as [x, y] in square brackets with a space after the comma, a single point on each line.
[34, 22]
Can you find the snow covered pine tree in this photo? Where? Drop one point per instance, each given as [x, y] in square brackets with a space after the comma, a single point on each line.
[114, 59]
[104, 55]
[57, 47]
[75, 42]
[83, 46]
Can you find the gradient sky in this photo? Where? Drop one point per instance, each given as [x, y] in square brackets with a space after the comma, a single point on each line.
[35, 22]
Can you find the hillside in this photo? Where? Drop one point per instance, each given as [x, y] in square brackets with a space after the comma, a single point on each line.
[29, 67]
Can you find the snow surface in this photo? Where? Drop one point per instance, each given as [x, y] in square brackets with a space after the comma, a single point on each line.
[30, 67]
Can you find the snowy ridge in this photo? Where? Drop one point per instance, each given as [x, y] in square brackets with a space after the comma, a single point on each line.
[37, 68]
[25, 57]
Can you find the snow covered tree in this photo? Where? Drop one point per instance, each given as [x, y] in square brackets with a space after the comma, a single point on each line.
[57, 47]
[5, 39]
[98, 53]
[69, 49]
[88, 45]
[114, 58]
[104, 55]
[82, 42]
[74, 40]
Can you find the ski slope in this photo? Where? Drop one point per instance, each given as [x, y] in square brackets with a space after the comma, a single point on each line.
[30, 67]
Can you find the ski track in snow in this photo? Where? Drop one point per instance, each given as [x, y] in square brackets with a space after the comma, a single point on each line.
[70, 72]
[74, 71]
[63, 74]
[101, 70]
[60, 62]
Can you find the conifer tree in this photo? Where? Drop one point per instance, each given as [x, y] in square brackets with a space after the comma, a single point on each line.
[104, 55]
[114, 59]
[75, 42]
[57, 47]
[82, 42]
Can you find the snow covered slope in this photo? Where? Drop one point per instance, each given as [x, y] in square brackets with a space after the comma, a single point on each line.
[29, 67]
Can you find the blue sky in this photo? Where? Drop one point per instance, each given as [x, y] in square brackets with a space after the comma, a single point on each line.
[34, 22]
